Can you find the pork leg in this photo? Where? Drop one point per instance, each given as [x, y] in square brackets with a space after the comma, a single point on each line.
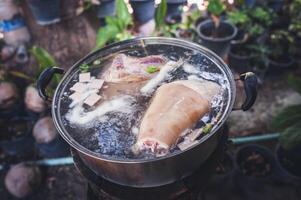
[176, 106]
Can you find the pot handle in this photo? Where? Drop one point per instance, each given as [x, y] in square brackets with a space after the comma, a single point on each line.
[250, 85]
[45, 78]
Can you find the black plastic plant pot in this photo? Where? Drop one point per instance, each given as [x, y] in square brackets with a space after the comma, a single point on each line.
[219, 43]
[106, 8]
[56, 148]
[239, 38]
[174, 10]
[45, 12]
[225, 165]
[255, 162]
[289, 162]
[238, 63]
[144, 10]
[277, 68]
[16, 139]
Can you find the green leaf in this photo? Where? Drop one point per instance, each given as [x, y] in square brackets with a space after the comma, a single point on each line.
[84, 68]
[238, 17]
[288, 117]
[295, 83]
[43, 58]
[160, 14]
[122, 14]
[207, 128]
[124, 35]
[291, 137]
[216, 7]
[152, 69]
[105, 34]
[21, 75]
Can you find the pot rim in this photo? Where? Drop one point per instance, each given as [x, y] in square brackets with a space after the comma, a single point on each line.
[282, 64]
[145, 40]
[268, 154]
[239, 56]
[202, 36]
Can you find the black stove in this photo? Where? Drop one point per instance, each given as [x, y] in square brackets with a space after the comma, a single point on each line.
[190, 187]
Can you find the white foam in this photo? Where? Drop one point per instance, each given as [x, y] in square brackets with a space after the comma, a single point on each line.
[161, 76]
[79, 116]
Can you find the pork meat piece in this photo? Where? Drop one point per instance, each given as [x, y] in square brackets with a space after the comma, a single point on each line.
[175, 107]
[131, 69]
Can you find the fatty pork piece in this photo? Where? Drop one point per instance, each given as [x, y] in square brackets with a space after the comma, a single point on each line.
[176, 107]
[131, 69]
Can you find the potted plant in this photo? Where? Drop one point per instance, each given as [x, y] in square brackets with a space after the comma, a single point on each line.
[251, 23]
[116, 28]
[255, 163]
[239, 58]
[240, 18]
[288, 122]
[45, 12]
[280, 44]
[186, 29]
[259, 61]
[215, 33]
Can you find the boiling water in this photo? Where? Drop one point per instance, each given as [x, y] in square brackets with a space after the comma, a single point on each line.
[111, 127]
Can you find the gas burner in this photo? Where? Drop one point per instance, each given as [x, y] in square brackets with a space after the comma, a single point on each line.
[184, 189]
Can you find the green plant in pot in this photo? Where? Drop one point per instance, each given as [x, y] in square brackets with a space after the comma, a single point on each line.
[241, 49]
[162, 28]
[288, 122]
[215, 33]
[259, 60]
[280, 43]
[116, 28]
[242, 21]
[186, 29]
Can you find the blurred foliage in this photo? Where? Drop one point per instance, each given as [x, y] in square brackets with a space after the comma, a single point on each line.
[295, 15]
[116, 28]
[216, 7]
[84, 5]
[238, 17]
[44, 60]
[252, 20]
[263, 15]
[259, 55]
[160, 15]
[280, 43]
[288, 121]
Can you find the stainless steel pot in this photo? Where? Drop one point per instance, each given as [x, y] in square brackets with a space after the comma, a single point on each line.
[176, 165]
